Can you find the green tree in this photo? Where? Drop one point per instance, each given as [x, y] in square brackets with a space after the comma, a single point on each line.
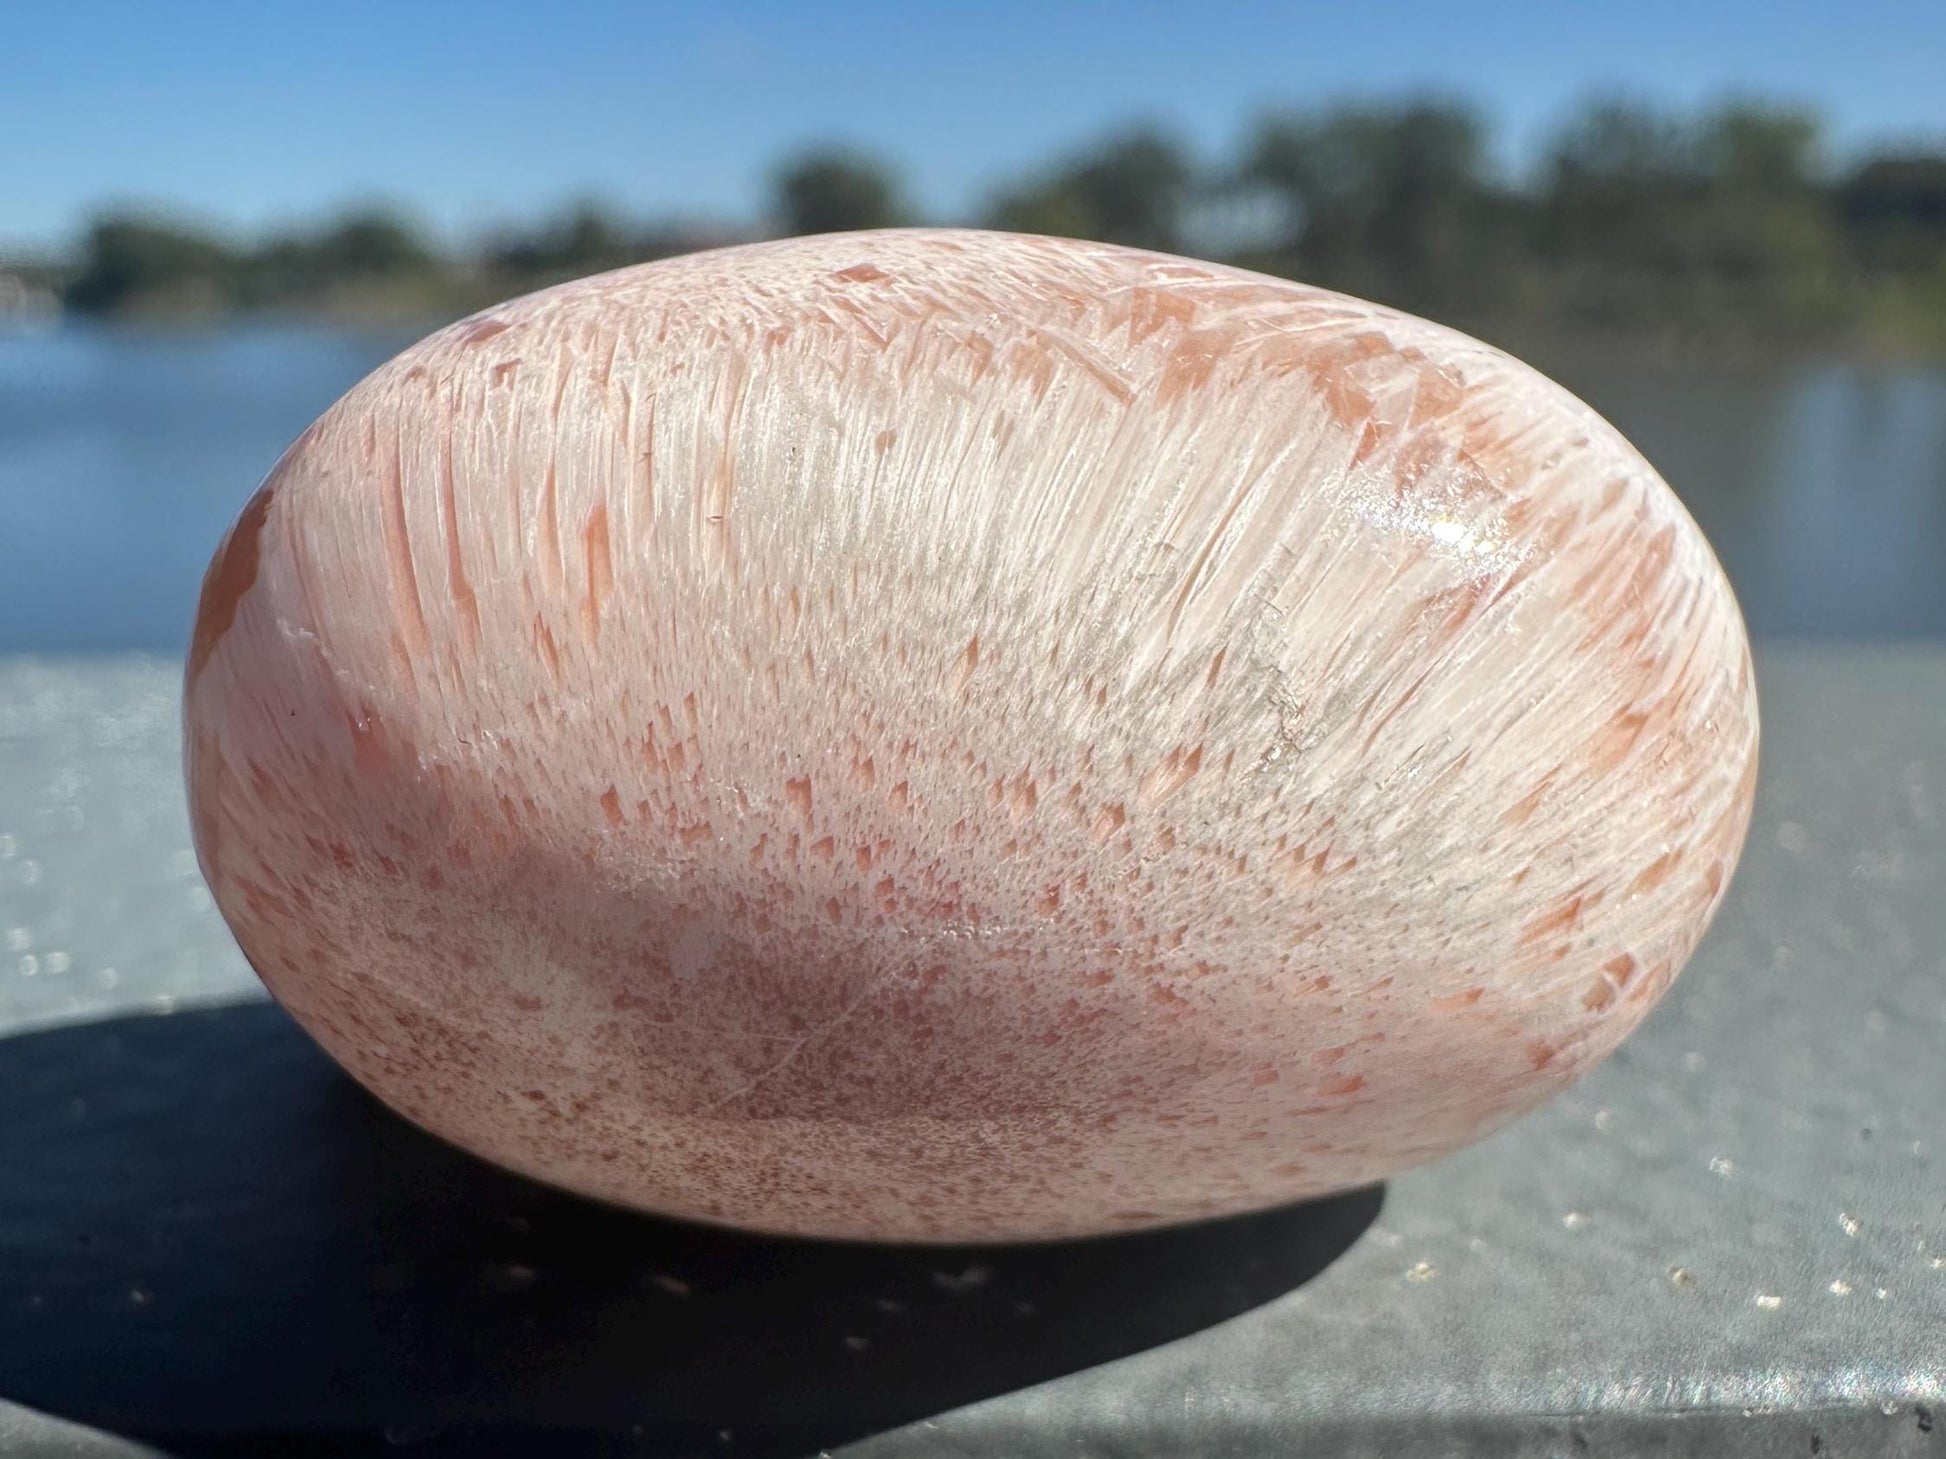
[302, 267]
[1770, 234]
[130, 260]
[1618, 207]
[1134, 189]
[1717, 225]
[1389, 201]
[1893, 211]
[372, 243]
[284, 268]
[586, 239]
[834, 191]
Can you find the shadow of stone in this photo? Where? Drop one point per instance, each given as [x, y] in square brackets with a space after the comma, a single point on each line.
[211, 1240]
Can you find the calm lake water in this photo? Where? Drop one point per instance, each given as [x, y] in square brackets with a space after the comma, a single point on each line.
[124, 455]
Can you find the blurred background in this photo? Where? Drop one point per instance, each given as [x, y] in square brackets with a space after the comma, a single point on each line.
[1723, 225]
[1721, 222]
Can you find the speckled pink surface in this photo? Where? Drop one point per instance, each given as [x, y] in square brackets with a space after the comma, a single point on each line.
[941, 735]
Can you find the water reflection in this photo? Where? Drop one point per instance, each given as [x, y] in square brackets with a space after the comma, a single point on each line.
[124, 455]
[1821, 483]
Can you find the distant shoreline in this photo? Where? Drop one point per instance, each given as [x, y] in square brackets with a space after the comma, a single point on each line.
[1720, 232]
[1541, 342]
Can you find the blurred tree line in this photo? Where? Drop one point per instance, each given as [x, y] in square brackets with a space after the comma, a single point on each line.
[1727, 226]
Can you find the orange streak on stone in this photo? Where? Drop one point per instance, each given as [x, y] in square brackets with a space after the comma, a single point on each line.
[601, 571]
[231, 574]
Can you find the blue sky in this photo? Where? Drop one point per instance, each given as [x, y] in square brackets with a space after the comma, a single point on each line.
[252, 114]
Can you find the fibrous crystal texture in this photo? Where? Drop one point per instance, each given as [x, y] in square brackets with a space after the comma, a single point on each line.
[947, 735]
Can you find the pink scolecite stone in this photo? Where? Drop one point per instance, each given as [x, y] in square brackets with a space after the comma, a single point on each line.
[944, 735]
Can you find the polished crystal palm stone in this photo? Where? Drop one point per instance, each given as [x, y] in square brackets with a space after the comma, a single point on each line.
[943, 735]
